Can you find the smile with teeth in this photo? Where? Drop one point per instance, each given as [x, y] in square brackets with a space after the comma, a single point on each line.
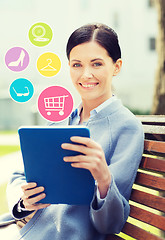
[88, 85]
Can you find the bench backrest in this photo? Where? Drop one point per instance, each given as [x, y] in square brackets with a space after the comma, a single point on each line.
[147, 201]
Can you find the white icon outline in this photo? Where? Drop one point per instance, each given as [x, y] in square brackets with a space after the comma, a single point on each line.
[39, 38]
[18, 61]
[55, 104]
[48, 67]
[22, 94]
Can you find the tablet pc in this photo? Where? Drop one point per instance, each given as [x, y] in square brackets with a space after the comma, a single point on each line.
[43, 163]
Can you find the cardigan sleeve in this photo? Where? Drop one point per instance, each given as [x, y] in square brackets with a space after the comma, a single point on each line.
[126, 151]
[14, 194]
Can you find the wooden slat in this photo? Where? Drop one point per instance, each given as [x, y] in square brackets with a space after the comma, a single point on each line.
[148, 217]
[150, 181]
[154, 164]
[138, 233]
[113, 237]
[152, 119]
[147, 199]
[154, 146]
[154, 129]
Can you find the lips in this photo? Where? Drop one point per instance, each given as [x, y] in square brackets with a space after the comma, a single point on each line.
[88, 85]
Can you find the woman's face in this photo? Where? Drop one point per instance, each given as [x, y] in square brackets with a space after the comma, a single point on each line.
[91, 70]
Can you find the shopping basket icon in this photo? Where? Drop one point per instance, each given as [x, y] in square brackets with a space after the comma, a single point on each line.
[55, 104]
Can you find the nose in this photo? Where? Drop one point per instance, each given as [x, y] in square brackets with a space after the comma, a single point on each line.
[87, 73]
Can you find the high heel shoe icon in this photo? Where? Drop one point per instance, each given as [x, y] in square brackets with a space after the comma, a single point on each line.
[18, 61]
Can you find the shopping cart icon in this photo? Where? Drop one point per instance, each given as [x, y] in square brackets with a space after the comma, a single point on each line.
[55, 104]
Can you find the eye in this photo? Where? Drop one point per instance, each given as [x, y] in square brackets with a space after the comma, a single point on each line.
[76, 65]
[97, 64]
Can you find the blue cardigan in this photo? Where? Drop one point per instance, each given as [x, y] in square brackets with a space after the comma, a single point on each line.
[121, 136]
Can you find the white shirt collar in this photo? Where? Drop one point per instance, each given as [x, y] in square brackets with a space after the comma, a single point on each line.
[102, 106]
[99, 108]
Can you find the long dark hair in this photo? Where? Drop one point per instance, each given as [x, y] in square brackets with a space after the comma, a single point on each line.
[100, 33]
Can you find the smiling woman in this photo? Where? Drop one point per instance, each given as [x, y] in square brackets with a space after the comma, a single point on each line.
[94, 59]
[91, 70]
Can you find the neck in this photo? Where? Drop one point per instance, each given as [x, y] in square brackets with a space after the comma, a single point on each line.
[88, 106]
[85, 114]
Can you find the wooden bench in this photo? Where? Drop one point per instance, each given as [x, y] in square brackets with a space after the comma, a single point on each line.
[147, 199]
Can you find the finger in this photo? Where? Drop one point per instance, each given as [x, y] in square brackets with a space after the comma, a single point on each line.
[86, 166]
[29, 185]
[77, 148]
[89, 163]
[33, 200]
[93, 168]
[80, 165]
[31, 192]
[85, 141]
[78, 158]
[85, 150]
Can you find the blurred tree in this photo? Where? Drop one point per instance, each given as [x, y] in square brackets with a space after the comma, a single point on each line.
[159, 88]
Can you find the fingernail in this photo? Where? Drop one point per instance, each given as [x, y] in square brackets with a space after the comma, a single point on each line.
[63, 145]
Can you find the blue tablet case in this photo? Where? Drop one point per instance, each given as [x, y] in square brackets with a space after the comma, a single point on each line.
[43, 164]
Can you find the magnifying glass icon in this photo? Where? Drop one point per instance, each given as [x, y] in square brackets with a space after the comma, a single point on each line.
[39, 32]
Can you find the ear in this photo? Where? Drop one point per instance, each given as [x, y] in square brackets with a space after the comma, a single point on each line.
[117, 66]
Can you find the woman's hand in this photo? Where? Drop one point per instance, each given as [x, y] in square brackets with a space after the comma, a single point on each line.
[30, 201]
[92, 158]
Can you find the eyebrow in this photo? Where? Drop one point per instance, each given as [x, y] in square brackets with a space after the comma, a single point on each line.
[75, 60]
[95, 59]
